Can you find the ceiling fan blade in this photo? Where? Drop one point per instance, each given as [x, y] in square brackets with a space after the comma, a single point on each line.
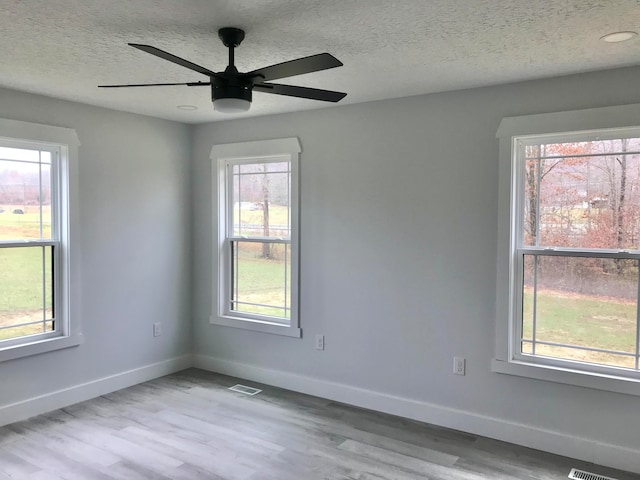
[189, 84]
[302, 92]
[314, 63]
[172, 58]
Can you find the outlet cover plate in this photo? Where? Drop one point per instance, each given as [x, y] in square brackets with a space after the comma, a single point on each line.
[459, 365]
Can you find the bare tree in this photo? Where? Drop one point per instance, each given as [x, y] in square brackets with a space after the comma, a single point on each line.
[622, 162]
[266, 247]
[537, 168]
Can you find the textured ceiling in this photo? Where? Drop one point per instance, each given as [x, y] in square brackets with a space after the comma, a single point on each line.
[65, 48]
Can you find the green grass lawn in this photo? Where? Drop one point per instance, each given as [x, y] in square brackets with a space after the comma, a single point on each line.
[261, 280]
[21, 274]
[25, 226]
[582, 320]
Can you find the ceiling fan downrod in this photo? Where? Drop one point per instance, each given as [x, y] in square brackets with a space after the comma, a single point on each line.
[231, 38]
[231, 92]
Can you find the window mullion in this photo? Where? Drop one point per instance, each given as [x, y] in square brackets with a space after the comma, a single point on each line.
[44, 288]
[54, 289]
[28, 243]
[289, 226]
[638, 320]
[585, 155]
[234, 277]
[40, 190]
[286, 279]
[236, 238]
[232, 231]
[534, 305]
[577, 252]
[58, 172]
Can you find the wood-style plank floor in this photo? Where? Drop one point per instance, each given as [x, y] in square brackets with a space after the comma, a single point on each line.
[189, 426]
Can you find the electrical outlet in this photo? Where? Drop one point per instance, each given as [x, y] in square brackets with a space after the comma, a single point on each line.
[157, 329]
[459, 365]
[319, 342]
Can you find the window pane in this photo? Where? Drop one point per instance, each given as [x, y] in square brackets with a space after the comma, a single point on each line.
[254, 168]
[583, 194]
[25, 198]
[261, 200]
[26, 286]
[582, 302]
[261, 278]
[22, 154]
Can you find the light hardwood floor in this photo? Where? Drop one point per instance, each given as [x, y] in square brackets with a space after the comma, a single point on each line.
[189, 426]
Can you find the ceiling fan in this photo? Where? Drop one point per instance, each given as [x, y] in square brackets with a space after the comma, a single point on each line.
[231, 90]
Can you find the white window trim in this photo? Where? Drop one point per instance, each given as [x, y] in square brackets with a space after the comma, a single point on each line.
[246, 151]
[505, 360]
[70, 334]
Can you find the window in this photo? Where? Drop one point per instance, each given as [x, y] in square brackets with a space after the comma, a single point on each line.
[258, 235]
[577, 248]
[574, 252]
[35, 260]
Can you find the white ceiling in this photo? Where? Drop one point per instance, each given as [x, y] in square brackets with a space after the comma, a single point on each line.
[65, 48]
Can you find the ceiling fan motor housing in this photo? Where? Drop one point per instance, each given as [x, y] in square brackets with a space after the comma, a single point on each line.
[231, 87]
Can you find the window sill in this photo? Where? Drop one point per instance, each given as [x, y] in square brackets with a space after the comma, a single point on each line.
[40, 346]
[567, 376]
[256, 326]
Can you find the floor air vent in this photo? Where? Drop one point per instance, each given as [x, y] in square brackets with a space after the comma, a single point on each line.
[582, 475]
[253, 391]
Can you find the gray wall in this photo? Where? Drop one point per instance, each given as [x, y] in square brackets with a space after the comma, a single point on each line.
[399, 216]
[398, 252]
[134, 245]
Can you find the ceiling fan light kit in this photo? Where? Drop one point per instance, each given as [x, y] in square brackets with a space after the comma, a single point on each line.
[231, 105]
[231, 91]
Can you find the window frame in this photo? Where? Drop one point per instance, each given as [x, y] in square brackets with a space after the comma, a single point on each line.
[512, 133]
[223, 156]
[65, 142]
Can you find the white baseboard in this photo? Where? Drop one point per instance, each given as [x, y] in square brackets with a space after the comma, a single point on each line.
[16, 412]
[589, 450]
